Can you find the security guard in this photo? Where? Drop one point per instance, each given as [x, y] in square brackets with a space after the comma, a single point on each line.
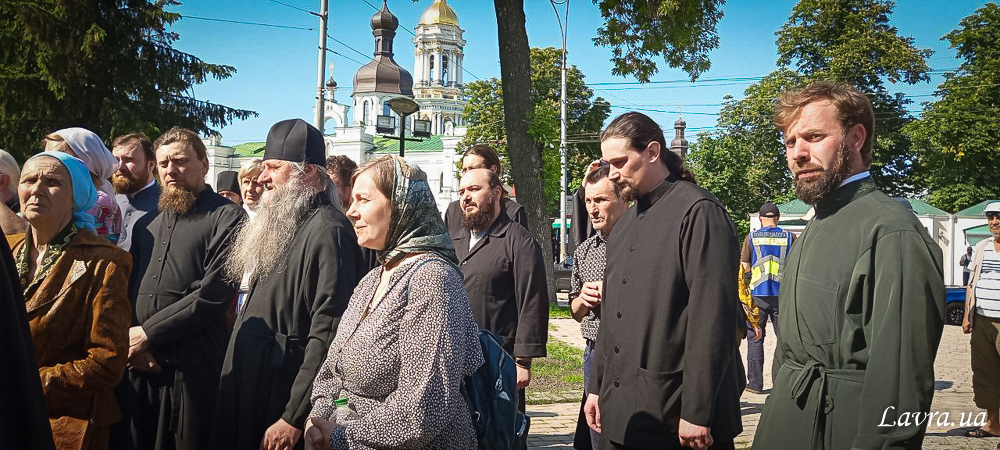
[763, 257]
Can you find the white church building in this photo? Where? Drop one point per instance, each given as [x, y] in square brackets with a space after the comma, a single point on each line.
[436, 86]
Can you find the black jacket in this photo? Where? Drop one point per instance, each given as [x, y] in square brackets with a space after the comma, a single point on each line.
[285, 329]
[666, 349]
[504, 275]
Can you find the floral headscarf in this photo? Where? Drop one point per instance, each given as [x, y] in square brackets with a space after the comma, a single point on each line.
[415, 225]
[91, 150]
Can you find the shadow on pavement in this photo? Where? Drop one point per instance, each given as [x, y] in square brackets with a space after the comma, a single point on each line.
[750, 408]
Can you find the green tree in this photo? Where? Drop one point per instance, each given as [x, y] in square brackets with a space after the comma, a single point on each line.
[585, 115]
[744, 164]
[957, 138]
[852, 41]
[682, 32]
[106, 65]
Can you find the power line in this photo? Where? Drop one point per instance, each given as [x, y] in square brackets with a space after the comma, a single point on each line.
[349, 47]
[720, 79]
[240, 22]
[344, 56]
[294, 7]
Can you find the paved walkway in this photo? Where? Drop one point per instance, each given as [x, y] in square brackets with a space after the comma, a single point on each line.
[552, 426]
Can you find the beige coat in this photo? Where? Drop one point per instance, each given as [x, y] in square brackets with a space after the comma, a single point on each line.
[79, 317]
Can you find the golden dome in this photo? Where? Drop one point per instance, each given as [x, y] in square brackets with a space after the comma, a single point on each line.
[439, 13]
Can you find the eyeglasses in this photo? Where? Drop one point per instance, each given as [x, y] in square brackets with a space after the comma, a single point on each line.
[992, 215]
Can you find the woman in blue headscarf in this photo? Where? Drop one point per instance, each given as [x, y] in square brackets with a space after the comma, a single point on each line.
[75, 288]
[408, 337]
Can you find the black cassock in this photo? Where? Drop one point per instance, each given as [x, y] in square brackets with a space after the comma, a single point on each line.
[285, 329]
[180, 304]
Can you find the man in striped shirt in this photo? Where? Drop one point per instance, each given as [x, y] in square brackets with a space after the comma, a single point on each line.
[982, 319]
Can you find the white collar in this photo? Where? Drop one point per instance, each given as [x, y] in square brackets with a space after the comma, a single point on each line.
[855, 177]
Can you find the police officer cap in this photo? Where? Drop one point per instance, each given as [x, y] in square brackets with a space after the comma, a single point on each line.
[295, 140]
[993, 208]
[769, 210]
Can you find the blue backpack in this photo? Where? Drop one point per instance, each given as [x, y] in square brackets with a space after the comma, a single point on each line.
[491, 392]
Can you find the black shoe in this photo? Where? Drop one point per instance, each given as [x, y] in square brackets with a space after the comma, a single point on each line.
[754, 391]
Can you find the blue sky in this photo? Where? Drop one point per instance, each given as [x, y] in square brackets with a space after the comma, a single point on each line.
[276, 66]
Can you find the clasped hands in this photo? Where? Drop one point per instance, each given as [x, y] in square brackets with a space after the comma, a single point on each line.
[139, 355]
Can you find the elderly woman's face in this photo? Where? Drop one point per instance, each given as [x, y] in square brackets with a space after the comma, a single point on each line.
[46, 192]
[370, 212]
[250, 189]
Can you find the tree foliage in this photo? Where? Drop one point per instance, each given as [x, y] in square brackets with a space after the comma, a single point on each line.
[682, 32]
[852, 41]
[744, 162]
[744, 165]
[957, 137]
[585, 115]
[106, 65]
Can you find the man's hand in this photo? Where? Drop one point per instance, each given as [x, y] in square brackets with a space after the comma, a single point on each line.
[137, 341]
[593, 166]
[144, 362]
[318, 431]
[590, 293]
[280, 436]
[588, 298]
[757, 334]
[523, 376]
[693, 436]
[966, 325]
[592, 412]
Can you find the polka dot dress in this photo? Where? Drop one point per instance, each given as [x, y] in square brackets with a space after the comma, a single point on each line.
[402, 364]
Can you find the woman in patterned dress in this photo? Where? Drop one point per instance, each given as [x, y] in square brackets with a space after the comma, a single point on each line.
[408, 337]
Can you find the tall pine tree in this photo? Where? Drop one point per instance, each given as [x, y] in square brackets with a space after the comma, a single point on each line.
[106, 65]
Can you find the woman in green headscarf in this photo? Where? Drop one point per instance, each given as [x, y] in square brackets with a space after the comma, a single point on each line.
[408, 337]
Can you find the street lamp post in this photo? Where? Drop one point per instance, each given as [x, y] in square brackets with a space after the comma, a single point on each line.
[404, 107]
[563, 151]
[320, 101]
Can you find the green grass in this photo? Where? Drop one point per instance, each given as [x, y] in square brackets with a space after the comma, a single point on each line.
[557, 378]
[559, 312]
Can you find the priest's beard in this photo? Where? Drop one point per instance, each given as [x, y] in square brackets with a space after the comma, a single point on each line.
[811, 191]
[628, 192]
[175, 199]
[127, 183]
[261, 243]
[481, 218]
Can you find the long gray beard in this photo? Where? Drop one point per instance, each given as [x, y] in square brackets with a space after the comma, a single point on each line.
[261, 243]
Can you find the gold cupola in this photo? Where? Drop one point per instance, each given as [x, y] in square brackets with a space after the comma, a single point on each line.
[439, 13]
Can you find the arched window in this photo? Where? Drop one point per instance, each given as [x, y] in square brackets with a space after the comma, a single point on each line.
[364, 112]
[385, 108]
[444, 70]
[430, 69]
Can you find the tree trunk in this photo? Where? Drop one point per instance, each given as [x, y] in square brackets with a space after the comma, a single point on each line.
[525, 156]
